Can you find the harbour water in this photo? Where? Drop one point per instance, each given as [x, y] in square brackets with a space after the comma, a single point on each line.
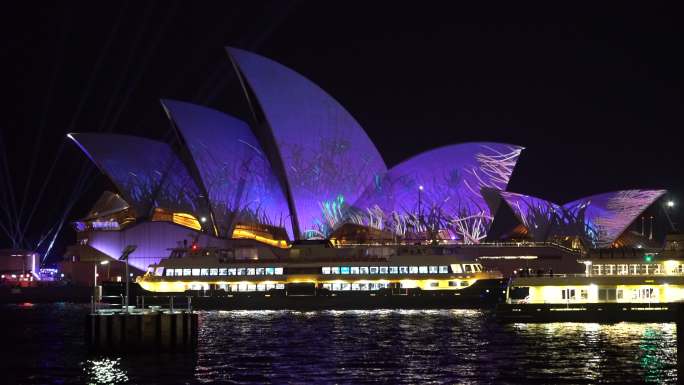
[43, 343]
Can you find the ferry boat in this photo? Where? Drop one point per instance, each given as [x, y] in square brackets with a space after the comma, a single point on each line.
[317, 274]
[617, 285]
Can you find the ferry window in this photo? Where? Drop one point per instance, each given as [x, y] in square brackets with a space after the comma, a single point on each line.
[393, 270]
[363, 286]
[344, 269]
[634, 269]
[434, 284]
[251, 287]
[195, 272]
[213, 271]
[467, 268]
[232, 271]
[185, 272]
[403, 269]
[383, 269]
[278, 270]
[372, 286]
[355, 287]
[335, 287]
[159, 271]
[644, 269]
[269, 271]
[602, 294]
[334, 270]
[413, 269]
[270, 286]
[325, 269]
[584, 294]
[241, 271]
[680, 269]
[204, 271]
[423, 269]
[260, 271]
[568, 294]
[373, 270]
[223, 271]
[464, 283]
[611, 294]
[609, 269]
[344, 286]
[363, 270]
[596, 270]
[453, 283]
[280, 286]
[354, 270]
[169, 272]
[327, 286]
[620, 294]
[455, 268]
[434, 269]
[478, 267]
[261, 287]
[622, 270]
[251, 271]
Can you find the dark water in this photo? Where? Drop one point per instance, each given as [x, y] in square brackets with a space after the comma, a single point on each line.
[44, 344]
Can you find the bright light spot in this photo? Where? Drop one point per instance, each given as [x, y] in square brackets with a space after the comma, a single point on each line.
[105, 371]
[105, 262]
[131, 274]
[62, 275]
[670, 204]
[420, 187]
[203, 219]
[639, 246]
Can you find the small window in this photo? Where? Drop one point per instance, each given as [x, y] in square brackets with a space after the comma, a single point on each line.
[261, 287]
[393, 269]
[278, 271]
[345, 286]
[363, 270]
[223, 271]
[467, 268]
[354, 270]
[280, 286]
[479, 267]
[373, 270]
[464, 283]
[620, 294]
[242, 271]
[213, 271]
[355, 287]
[169, 272]
[434, 269]
[383, 269]
[251, 271]
[195, 272]
[434, 284]
[423, 269]
[325, 270]
[268, 271]
[204, 272]
[260, 271]
[453, 283]
[444, 269]
[335, 270]
[232, 271]
[413, 269]
[403, 269]
[344, 269]
[584, 294]
[185, 272]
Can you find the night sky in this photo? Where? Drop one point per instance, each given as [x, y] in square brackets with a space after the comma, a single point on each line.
[595, 95]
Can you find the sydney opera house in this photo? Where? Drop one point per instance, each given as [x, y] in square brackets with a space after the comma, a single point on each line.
[303, 168]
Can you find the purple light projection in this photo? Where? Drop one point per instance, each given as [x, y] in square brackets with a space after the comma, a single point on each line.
[606, 216]
[147, 172]
[539, 216]
[439, 191]
[237, 175]
[328, 158]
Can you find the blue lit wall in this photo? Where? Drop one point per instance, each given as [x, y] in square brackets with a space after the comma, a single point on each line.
[237, 175]
[450, 200]
[328, 159]
[147, 172]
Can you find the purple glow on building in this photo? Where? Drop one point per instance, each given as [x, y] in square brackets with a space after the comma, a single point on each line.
[327, 158]
[537, 215]
[606, 216]
[147, 172]
[450, 200]
[236, 174]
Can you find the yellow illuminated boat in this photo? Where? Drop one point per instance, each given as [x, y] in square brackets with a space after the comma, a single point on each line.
[322, 270]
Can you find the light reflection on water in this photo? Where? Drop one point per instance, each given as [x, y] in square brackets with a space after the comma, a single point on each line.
[380, 346]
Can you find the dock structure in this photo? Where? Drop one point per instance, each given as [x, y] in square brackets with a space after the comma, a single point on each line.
[133, 329]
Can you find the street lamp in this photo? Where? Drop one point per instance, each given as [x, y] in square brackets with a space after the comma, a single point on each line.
[420, 215]
[670, 204]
